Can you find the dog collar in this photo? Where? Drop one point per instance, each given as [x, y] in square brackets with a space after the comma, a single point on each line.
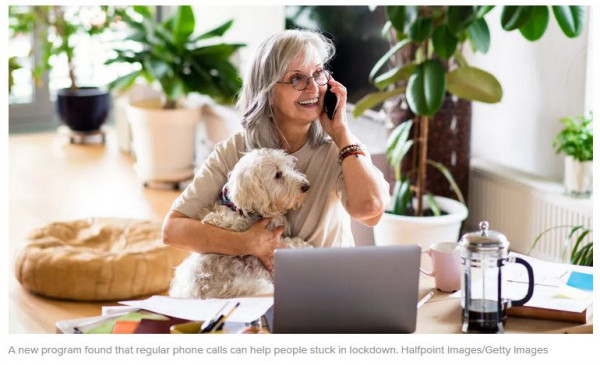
[224, 199]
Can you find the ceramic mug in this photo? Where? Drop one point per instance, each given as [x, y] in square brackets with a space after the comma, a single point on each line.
[445, 257]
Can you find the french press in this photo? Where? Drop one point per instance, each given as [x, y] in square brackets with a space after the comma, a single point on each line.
[483, 254]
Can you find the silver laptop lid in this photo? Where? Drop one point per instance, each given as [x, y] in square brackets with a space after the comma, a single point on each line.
[346, 290]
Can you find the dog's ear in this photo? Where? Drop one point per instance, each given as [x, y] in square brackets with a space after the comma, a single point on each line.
[245, 190]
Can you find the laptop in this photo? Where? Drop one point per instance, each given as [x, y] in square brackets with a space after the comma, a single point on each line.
[369, 289]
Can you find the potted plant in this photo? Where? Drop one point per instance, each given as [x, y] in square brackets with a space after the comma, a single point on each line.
[168, 54]
[409, 221]
[81, 108]
[576, 141]
[431, 84]
[578, 244]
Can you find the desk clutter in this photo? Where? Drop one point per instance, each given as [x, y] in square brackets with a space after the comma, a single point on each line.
[136, 320]
[494, 287]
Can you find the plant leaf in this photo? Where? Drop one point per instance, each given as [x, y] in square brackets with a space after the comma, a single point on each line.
[479, 33]
[373, 99]
[394, 75]
[514, 17]
[482, 10]
[183, 24]
[580, 238]
[535, 27]
[396, 16]
[444, 42]
[460, 17]
[144, 11]
[399, 134]
[420, 29]
[401, 197]
[474, 84]
[401, 16]
[570, 19]
[433, 205]
[386, 28]
[385, 58]
[448, 175]
[216, 32]
[426, 88]
[124, 82]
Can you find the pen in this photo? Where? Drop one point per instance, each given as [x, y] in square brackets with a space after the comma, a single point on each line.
[208, 325]
[425, 299]
[221, 321]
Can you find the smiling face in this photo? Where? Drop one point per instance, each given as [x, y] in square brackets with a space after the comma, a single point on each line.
[291, 105]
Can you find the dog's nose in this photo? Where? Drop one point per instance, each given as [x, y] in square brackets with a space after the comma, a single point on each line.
[305, 188]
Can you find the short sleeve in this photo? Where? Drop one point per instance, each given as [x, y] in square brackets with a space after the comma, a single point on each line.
[210, 178]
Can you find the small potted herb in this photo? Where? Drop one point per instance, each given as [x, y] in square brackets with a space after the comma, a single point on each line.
[576, 141]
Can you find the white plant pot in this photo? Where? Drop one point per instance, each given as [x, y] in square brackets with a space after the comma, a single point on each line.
[163, 141]
[121, 100]
[578, 177]
[403, 230]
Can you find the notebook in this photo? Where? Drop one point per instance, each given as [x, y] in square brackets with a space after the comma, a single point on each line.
[368, 289]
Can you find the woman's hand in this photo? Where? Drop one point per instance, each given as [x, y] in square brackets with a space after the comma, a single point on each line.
[262, 242]
[337, 128]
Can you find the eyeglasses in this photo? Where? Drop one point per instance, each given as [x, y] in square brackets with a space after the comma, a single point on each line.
[300, 82]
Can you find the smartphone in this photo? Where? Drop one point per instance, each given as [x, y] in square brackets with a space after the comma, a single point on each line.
[330, 102]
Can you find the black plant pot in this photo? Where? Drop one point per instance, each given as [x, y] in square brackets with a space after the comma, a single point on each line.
[83, 109]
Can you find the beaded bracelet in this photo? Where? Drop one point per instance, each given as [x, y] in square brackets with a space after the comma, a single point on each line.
[350, 147]
[353, 149]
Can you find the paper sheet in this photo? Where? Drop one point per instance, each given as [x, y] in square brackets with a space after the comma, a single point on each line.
[249, 310]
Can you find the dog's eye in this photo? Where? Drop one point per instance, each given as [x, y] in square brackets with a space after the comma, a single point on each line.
[278, 175]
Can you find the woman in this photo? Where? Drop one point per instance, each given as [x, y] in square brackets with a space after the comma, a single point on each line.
[282, 103]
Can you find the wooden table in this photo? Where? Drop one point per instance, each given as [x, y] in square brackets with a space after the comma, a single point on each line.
[52, 180]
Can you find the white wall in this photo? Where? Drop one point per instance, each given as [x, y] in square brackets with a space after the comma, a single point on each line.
[542, 81]
[252, 24]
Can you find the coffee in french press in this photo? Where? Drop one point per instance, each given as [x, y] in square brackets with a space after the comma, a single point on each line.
[483, 255]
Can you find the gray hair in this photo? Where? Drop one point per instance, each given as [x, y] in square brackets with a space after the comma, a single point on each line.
[271, 59]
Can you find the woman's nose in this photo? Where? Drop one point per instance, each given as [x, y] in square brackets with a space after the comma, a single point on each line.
[312, 85]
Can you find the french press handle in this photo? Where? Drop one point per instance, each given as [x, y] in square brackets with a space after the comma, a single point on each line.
[531, 282]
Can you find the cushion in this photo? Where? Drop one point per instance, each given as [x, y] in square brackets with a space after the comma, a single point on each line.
[97, 259]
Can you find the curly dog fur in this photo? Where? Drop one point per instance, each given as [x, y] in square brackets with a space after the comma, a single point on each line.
[263, 184]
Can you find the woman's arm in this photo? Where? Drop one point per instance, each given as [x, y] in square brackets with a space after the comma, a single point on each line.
[185, 233]
[367, 192]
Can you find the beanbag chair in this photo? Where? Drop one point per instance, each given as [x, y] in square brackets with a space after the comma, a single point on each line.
[97, 259]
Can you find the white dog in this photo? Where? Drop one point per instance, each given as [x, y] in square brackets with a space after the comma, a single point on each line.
[263, 184]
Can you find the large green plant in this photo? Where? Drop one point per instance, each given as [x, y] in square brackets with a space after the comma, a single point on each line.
[576, 139]
[181, 62]
[56, 28]
[436, 35]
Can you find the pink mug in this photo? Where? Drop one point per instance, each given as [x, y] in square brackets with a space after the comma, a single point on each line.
[445, 258]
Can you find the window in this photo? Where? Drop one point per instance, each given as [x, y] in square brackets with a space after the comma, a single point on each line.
[31, 103]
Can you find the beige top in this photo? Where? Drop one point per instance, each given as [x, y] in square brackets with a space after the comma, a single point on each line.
[322, 221]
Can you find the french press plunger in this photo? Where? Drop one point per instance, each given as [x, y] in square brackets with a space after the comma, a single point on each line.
[483, 254]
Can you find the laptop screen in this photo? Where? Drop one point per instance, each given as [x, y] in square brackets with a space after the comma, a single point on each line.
[367, 289]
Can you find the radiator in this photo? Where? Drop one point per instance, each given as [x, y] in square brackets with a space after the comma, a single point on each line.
[521, 206]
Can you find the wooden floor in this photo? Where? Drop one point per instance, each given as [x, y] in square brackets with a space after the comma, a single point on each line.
[52, 180]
